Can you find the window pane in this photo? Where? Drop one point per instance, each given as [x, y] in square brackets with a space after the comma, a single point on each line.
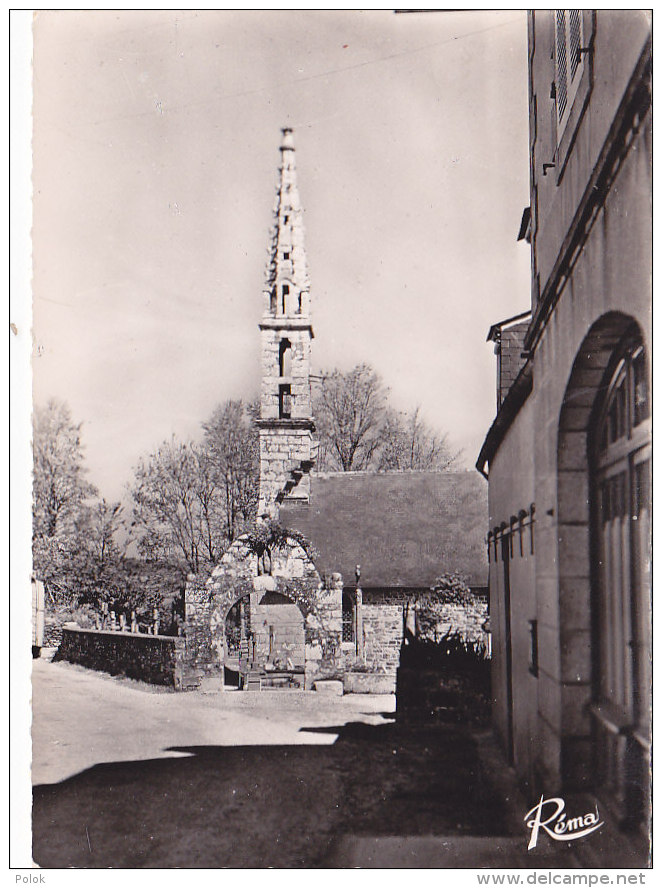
[347, 618]
[641, 407]
[642, 488]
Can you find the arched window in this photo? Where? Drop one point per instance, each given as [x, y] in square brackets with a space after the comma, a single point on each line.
[621, 519]
[285, 291]
[285, 358]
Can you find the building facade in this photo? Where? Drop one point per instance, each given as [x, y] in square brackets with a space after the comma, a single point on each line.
[327, 582]
[568, 455]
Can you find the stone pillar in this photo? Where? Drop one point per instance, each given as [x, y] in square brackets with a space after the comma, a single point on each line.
[324, 633]
[200, 657]
[360, 641]
[410, 621]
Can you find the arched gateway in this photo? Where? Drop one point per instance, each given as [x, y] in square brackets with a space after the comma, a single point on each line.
[262, 574]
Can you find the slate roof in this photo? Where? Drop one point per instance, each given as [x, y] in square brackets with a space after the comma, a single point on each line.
[403, 528]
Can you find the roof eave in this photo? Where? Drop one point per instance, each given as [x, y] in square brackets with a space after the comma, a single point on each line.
[512, 404]
[495, 328]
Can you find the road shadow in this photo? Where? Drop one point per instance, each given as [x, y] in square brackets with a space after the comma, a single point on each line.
[267, 806]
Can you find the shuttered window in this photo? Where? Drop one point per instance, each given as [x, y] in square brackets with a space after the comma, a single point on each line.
[561, 64]
[575, 35]
[569, 62]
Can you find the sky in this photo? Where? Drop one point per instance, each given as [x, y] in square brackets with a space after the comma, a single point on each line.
[155, 159]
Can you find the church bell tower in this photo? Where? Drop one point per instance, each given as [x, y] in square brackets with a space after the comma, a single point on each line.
[286, 422]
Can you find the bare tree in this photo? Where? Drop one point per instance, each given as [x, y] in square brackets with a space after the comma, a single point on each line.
[358, 431]
[349, 411]
[191, 499]
[409, 443]
[232, 446]
[177, 506]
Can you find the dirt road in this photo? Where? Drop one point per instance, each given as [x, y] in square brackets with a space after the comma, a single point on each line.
[83, 718]
[129, 776]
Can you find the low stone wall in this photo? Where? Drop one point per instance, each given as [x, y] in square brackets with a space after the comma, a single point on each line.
[157, 659]
[382, 636]
[467, 620]
[368, 683]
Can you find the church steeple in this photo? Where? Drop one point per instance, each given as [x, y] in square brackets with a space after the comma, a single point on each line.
[286, 422]
[287, 284]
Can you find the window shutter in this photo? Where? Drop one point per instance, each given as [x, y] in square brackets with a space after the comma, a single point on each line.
[561, 64]
[575, 41]
[569, 62]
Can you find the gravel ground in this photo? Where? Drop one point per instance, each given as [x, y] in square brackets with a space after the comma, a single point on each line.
[83, 718]
[129, 776]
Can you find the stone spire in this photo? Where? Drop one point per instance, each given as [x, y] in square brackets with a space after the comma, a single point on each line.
[286, 422]
[287, 260]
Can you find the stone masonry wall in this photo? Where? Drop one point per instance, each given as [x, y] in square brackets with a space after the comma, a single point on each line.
[279, 633]
[156, 659]
[383, 619]
[299, 378]
[510, 356]
[281, 450]
[204, 654]
[383, 633]
[465, 619]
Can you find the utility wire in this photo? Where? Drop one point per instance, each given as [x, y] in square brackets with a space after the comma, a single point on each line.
[331, 72]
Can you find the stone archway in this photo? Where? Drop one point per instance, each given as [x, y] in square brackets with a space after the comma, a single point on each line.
[292, 574]
[576, 520]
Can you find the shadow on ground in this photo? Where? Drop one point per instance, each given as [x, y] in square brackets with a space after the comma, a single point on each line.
[269, 806]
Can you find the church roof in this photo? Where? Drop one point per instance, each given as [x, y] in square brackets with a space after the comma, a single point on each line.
[403, 528]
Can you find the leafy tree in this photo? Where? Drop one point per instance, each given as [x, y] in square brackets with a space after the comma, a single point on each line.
[349, 411]
[60, 488]
[60, 495]
[409, 443]
[76, 548]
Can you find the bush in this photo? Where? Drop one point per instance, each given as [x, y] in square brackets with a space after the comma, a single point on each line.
[451, 655]
[55, 616]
